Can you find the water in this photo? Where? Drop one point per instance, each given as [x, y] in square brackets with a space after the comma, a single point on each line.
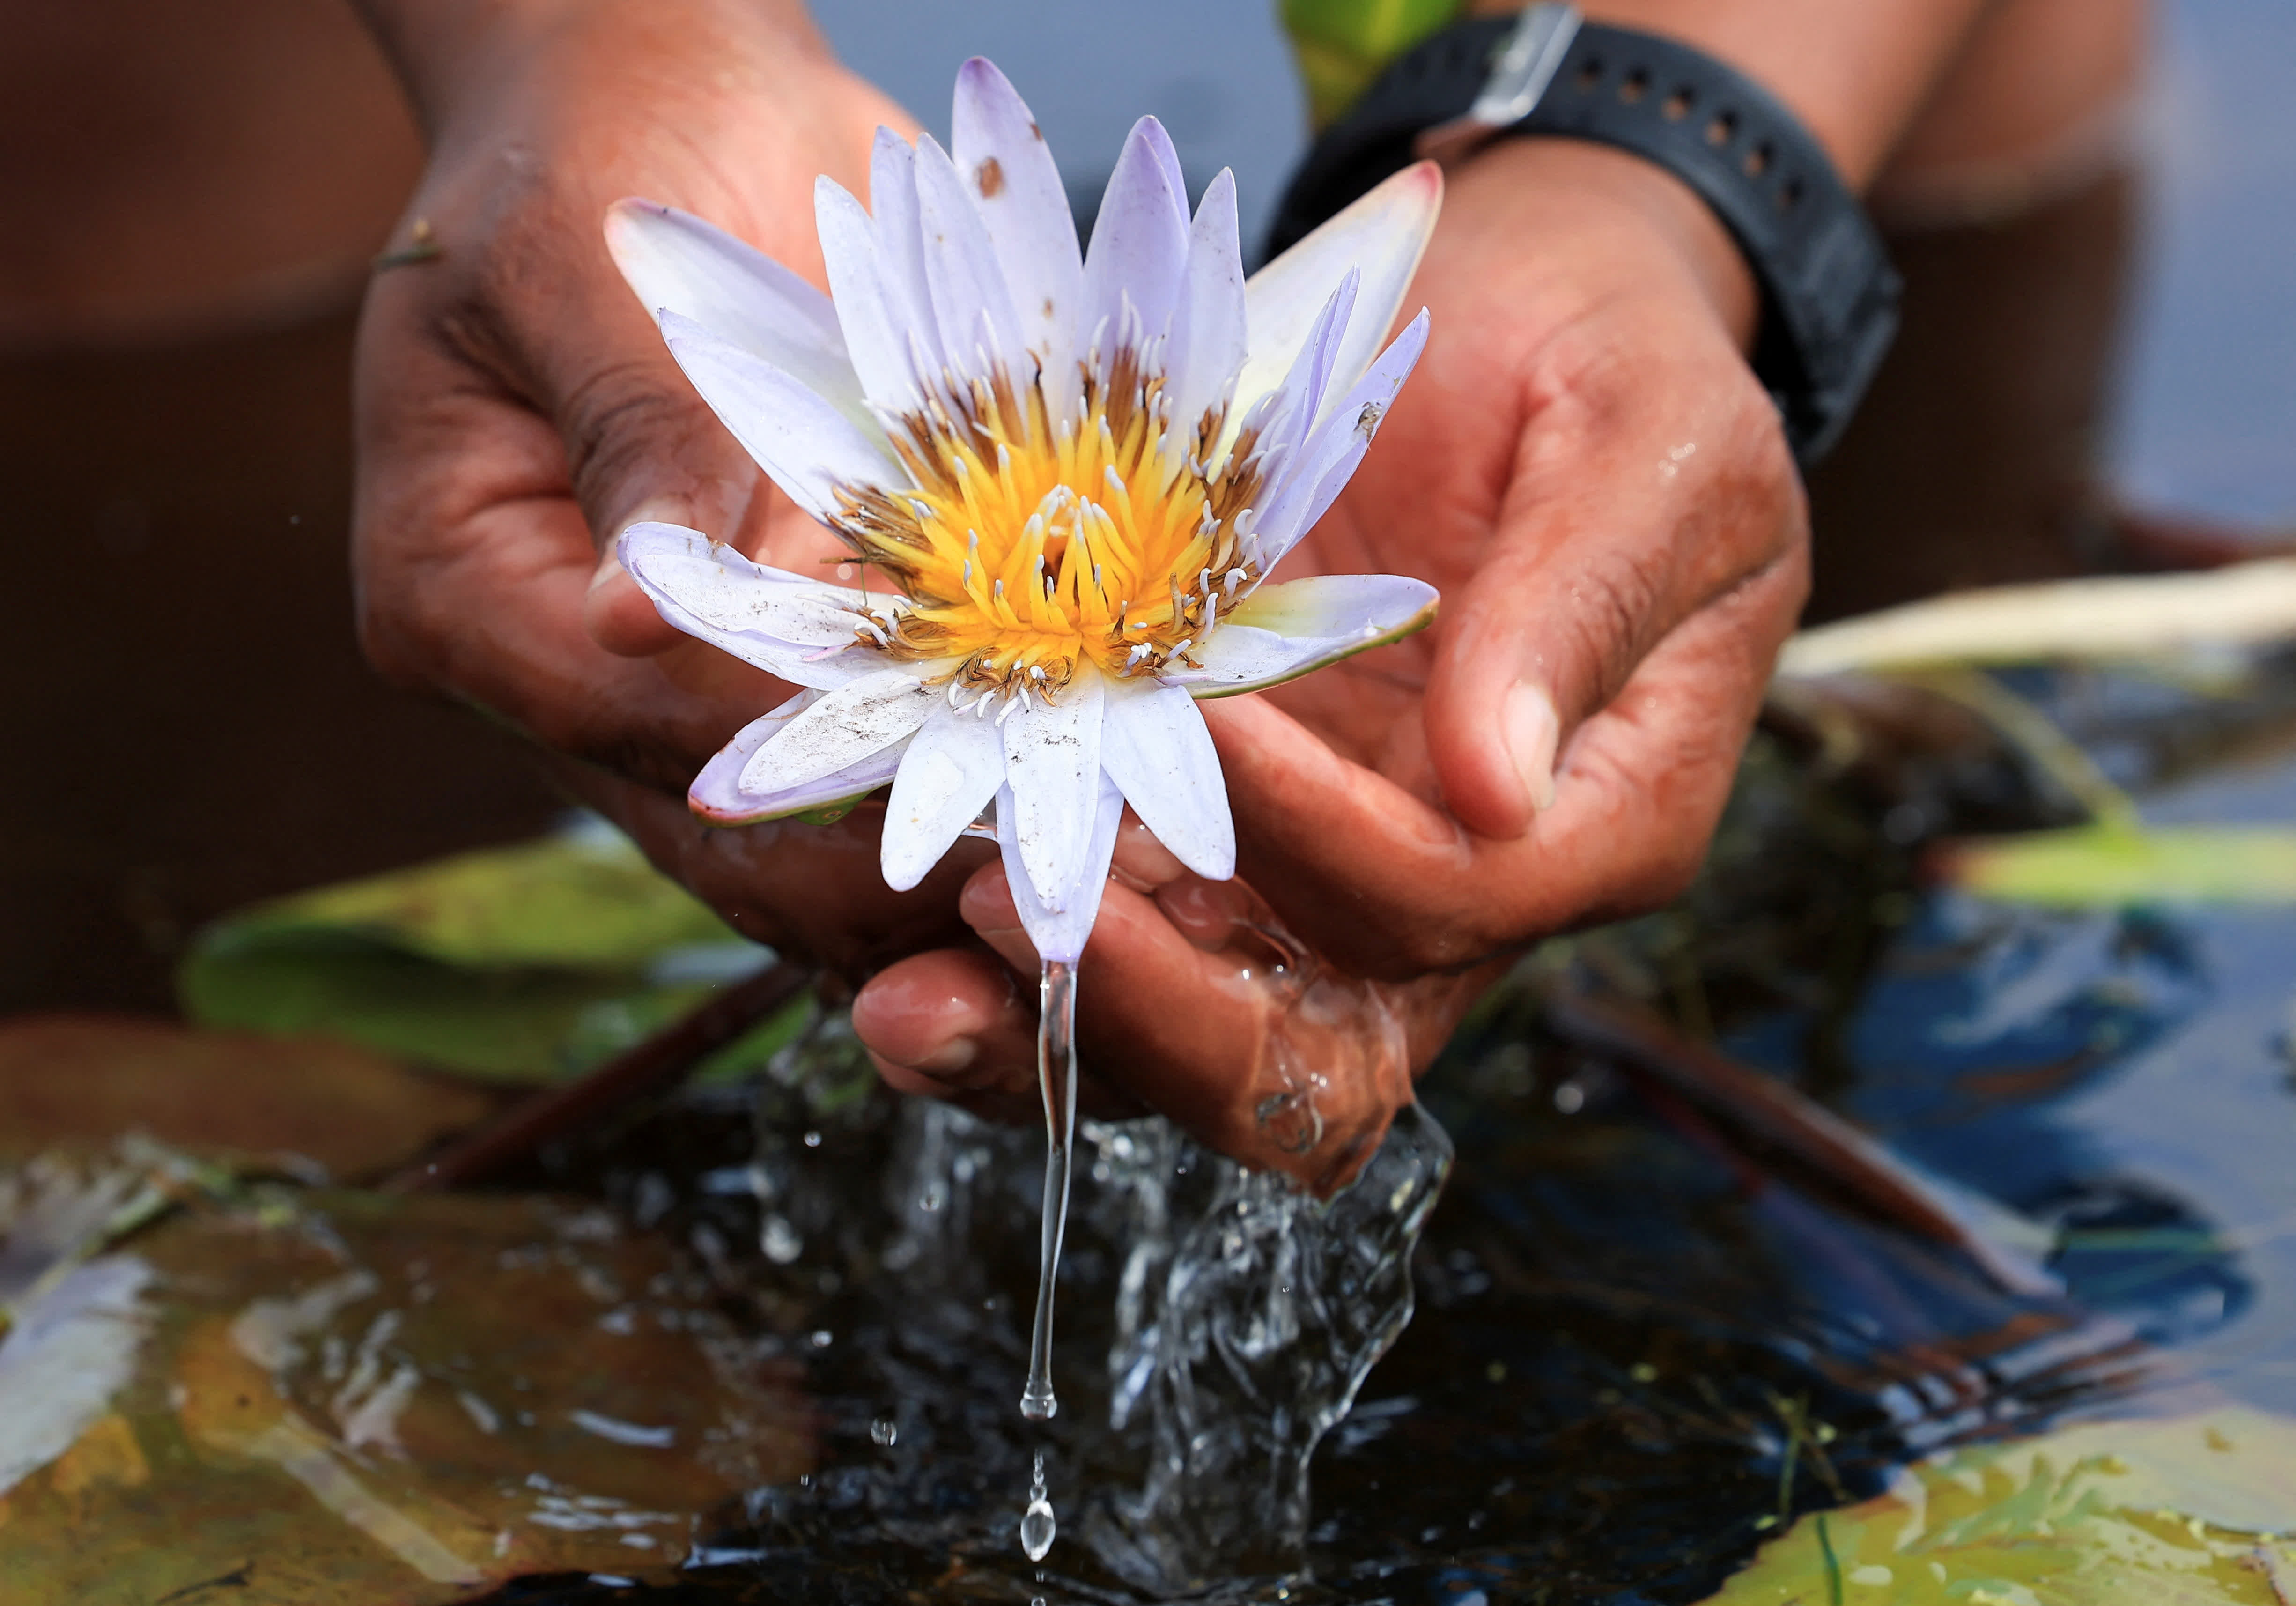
[1641, 1350]
[1037, 1524]
[1056, 1075]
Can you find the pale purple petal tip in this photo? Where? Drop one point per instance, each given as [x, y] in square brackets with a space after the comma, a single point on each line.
[717, 793]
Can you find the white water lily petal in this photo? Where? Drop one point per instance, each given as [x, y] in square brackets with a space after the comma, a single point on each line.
[789, 626]
[1155, 747]
[805, 445]
[845, 728]
[980, 332]
[1381, 235]
[1060, 934]
[950, 770]
[876, 338]
[1000, 155]
[1052, 764]
[677, 263]
[1282, 421]
[1208, 342]
[1313, 481]
[1139, 253]
[901, 247]
[1281, 632]
[717, 794]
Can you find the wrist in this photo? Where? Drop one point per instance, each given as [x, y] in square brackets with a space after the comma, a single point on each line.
[1608, 220]
[454, 61]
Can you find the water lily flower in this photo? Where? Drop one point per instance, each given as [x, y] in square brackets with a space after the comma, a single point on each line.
[1073, 471]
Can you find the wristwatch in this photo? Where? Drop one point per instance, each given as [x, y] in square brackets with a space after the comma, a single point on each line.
[1829, 293]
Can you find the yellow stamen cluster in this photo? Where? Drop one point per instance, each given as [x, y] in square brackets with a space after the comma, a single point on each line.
[1026, 548]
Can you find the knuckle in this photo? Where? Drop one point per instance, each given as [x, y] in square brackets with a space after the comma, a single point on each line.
[1620, 599]
[618, 418]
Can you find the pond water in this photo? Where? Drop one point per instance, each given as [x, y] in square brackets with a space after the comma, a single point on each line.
[764, 1346]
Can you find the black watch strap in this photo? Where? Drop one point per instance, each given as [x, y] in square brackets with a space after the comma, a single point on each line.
[1829, 293]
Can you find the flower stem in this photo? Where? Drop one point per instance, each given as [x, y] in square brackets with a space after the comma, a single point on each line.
[1056, 1073]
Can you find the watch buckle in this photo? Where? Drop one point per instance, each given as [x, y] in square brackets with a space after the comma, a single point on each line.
[1522, 70]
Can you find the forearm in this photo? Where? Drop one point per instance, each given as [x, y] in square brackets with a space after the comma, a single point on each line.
[1857, 72]
[441, 49]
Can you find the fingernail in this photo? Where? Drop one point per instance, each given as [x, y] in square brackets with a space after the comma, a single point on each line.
[660, 510]
[608, 566]
[956, 1054]
[1530, 730]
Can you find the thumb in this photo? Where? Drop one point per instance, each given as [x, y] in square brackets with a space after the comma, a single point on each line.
[641, 444]
[1582, 581]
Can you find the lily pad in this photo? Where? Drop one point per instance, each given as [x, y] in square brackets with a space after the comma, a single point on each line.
[2109, 866]
[329, 1398]
[228, 1096]
[525, 963]
[2192, 1511]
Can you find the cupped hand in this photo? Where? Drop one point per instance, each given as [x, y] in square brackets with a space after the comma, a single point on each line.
[1586, 469]
[516, 409]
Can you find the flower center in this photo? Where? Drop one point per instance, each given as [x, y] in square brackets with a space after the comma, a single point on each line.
[1026, 549]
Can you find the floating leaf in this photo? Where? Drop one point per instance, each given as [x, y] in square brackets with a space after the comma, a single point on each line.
[2177, 1512]
[328, 1399]
[525, 963]
[2104, 866]
[223, 1095]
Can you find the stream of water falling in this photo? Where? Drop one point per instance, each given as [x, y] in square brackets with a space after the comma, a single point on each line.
[1056, 1074]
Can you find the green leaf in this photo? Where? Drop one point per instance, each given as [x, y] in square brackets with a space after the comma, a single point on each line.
[585, 899]
[525, 963]
[2104, 866]
[2190, 1512]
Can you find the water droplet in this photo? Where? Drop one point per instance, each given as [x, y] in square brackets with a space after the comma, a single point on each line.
[884, 1431]
[821, 1337]
[813, 1140]
[779, 1241]
[1037, 1524]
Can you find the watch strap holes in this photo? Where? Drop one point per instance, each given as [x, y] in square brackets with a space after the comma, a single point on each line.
[1721, 128]
[1635, 85]
[1790, 194]
[1591, 74]
[1758, 160]
[1676, 106]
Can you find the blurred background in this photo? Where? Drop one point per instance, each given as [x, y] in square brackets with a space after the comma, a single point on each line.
[2100, 376]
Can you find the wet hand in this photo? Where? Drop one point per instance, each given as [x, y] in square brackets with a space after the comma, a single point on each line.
[1587, 469]
[516, 409]
[1193, 1002]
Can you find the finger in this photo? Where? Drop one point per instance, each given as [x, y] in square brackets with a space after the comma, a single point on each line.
[952, 1024]
[1634, 507]
[1252, 1055]
[1394, 886]
[476, 567]
[811, 892]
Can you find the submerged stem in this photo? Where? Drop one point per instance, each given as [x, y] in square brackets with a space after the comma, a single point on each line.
[1056, 1072]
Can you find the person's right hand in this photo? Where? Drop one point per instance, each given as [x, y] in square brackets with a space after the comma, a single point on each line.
[516, 409]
